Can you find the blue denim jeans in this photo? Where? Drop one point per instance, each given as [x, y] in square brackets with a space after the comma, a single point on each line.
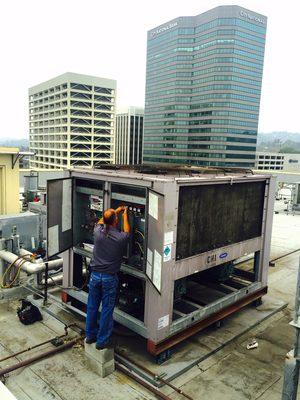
[102, 288]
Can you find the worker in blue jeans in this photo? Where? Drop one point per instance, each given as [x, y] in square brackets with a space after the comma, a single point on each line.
[109, 247]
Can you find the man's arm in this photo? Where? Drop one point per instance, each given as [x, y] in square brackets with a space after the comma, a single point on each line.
[126, 226]
[120, 209]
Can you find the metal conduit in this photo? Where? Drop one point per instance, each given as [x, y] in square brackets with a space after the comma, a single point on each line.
[151, 373]
[41, 356]
[32, 347]
[146, 385]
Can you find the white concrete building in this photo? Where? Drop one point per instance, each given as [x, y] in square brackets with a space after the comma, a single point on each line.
[72, 121]
[129, 135]
[277, 161]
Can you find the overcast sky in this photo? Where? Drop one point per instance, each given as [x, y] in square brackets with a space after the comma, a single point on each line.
[42, 39]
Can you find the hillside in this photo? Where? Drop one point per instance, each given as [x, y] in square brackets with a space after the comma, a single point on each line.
[284, 142]
[23, 144]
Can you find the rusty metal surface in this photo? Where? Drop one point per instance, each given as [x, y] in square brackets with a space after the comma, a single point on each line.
[158, 348]
[146, 385]
[40, 356]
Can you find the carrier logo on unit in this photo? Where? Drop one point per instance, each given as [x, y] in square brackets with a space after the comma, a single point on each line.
[223, 255]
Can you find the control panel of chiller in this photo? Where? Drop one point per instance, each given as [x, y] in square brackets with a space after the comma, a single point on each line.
[134, 255]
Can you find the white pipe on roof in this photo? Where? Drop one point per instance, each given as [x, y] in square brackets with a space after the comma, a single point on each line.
[24, 252]
[28, 266]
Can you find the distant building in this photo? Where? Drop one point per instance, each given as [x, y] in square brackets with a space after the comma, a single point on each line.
[9, 181]
[72, 121]
[129, 135]
[203, 87]
[277, 161]
[24, 162]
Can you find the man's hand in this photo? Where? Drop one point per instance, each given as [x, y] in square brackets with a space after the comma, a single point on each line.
[120, 209]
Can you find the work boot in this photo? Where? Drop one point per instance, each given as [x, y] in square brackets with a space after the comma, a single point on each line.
[101, 346]
[108, 345]
[90, 341]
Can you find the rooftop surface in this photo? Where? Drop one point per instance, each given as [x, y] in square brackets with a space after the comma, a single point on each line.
[232, 372]
[73, 77]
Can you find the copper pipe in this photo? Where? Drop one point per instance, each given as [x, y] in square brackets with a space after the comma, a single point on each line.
[41, 356]
[155, 376]
[32, 347]
[146, 385]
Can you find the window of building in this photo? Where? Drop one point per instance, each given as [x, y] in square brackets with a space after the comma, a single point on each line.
[80, 86]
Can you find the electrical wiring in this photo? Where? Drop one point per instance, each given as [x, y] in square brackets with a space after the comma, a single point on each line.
[140, 247]
[9, 268]
[22, 262]
[7, 271]
[17, 274]
[143, 236]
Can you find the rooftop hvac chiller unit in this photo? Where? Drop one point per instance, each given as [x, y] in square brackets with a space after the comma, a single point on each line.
[188, 228]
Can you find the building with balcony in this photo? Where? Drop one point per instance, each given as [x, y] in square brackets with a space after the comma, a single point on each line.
[203, 88]
[129, 135]
[72, 122]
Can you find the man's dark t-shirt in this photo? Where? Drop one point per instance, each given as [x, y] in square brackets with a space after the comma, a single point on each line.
[108, 249]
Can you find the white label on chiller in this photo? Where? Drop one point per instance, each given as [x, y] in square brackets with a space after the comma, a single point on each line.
[149, 270]
[163, 322]
[153, 205]
[168, 237]
[157, 270]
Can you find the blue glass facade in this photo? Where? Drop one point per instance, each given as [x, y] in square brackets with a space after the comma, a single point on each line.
[203, 89]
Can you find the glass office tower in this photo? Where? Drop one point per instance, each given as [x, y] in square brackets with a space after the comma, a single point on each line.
[203, 87]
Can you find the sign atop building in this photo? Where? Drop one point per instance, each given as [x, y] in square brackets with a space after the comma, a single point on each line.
[163, 29]
[252, 17]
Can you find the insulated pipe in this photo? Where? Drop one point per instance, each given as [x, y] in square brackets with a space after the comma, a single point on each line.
[53, 280]
[58, 278]
[28, 266]
[24, 252]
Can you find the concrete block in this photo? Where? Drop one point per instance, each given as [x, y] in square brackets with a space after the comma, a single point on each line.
[100, 355]
[102, 362]
[103, 370]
